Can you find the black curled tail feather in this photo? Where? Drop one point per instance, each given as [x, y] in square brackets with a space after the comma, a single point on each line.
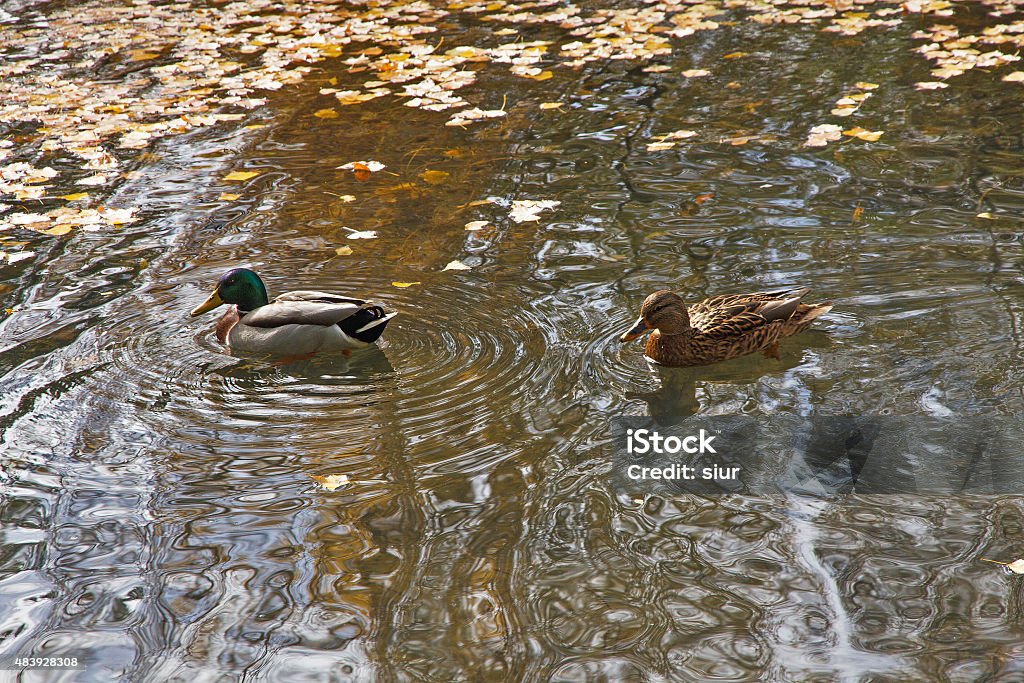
[354, 324]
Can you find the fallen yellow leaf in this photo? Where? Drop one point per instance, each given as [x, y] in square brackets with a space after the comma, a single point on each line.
[455, 265]
[986, 214]
[141, 55]
[404, 284]
[330, 481]
[864, 134]
[325, 114]
[75, 196]
[477, 225]
[434, 177]
[241, 175]
[228, 197]
[542, 76]
[343, 251]
[58, 230]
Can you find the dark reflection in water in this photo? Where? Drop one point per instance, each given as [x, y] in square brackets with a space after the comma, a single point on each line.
[158, 511]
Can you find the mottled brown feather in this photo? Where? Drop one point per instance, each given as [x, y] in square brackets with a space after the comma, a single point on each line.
[724, 327]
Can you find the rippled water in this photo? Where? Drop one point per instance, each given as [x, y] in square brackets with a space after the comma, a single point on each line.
[158, 512]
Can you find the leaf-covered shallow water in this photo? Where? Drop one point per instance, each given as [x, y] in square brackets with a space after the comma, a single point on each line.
[158, 512]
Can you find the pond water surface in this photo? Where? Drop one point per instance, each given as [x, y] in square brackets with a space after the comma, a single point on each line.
[157, 507]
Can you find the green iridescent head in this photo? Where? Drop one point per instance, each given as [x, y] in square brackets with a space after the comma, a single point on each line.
[239, 286]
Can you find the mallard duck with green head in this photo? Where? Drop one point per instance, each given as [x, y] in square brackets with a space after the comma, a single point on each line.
[721, 327]
[296, 323]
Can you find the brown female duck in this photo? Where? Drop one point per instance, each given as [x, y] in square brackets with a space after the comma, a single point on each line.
[721, 327]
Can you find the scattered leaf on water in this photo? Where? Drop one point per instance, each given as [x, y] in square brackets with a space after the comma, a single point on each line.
[696, 73]
[734, 55]
[660, 146]
[823, 134]
[858, 211]
[343, 251]
[701, 198]
[19, 256]
[74, 197]
[361, 234]
[739, 140]
[369, 166]
[330, 482]
[1014, 77]
[864, 134]
[325, 114]
[141, 55]
[986, 214]
[58, 230]
[98, 179]
[241, 175]
[434, 177]
[930, 85]
[1017, 566]
[550, 105]
[477, 225]
[403, 285]
[526, 210]
[455, 265]
[228, 197]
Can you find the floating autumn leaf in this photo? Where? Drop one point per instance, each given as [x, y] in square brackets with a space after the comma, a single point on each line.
[843, 111]
[403, 285]
[656, 69]
[664, 141]
[361, 234]
[734, 55]
[550, 105]
[434, 177]
[858, 211]
[19, 256]
[1015, 77]
[58, 230]
[473, 226]
[75, 196]
[696, 73]
[1017, 566]
[864, 85]
[471, 115]
[117, 216]
[864, 134]
[325, 114]
[739, 140]
[823, 134]
[986, 214]
[98, 179]
[141, 55]
[930, 85]
[347, 198]
[241, 175]
[331, 482]
[343, 251]
[228, 197]
[455, 265]
[528, 210]
[365, 166]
